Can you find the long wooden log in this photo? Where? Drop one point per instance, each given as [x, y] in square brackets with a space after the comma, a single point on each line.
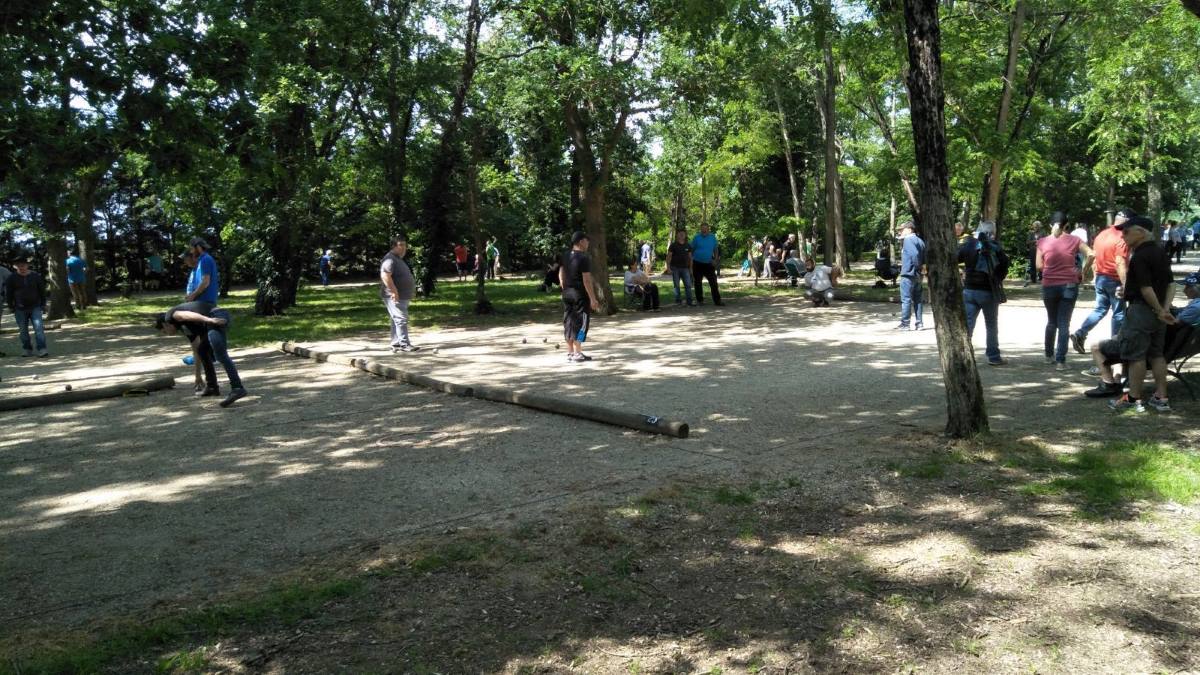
[572, 408]
[160, 381]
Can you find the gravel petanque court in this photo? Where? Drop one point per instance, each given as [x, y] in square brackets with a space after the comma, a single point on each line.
[127, 505]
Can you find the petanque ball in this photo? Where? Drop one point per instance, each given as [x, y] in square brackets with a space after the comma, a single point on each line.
[67, 388]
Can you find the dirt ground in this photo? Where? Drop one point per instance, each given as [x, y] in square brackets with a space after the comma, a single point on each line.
[589, 548]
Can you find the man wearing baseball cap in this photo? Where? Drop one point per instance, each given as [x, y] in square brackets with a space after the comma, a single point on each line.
[1190, 313]
[203, 281]
[1111, 264]
[1144, 332]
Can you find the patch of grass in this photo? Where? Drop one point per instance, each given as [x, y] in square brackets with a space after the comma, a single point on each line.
[323, 314]
[935, 465]
[731, 496]
[285, 604]
[188, 661]
[1122, 472]
[461, 552]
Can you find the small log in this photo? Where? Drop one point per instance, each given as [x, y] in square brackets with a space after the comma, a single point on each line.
[160, 381]
[647, 423]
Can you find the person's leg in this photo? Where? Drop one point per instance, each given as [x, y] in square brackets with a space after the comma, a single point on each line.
[918, 303]
[675, 276]
[1158, 366]
[905, 300]
[1137, 378]
[1051, 296]
[687, 284]
[210, 372]
[1105, 299]
[1106, 372]
[22, 317]
[39, 330]
[402, 321]
[972, 307]
[654, 302]
[991, 322]
[1063, 322]
[644, 294]
[220, 349]
[713, 283]
[392, 322]
[698, 282]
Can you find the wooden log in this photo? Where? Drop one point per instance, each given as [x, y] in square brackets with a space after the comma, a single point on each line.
[147, 385]
[572, 408]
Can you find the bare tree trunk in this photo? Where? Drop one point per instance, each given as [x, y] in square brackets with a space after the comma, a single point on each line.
[593, 215]
[482, 304]
[835, 247]
[56, 265]
[966, 410]
[791, 167]
[991, 200]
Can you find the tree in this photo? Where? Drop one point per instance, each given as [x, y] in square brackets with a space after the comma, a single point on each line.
[966, 410]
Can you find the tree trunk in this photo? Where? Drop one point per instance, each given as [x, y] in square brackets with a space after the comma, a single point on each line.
[593, 215]
[56, 266]
[991, 201]
[835, 245]
[85, 231]
[482, 304]
[435, 208]
[791, 168]
[1110, 212]
[966, 410]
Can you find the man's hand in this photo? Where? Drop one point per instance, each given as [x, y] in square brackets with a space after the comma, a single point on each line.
[595, 306]
[1167, 317]
[1120, 292]
[395, 296]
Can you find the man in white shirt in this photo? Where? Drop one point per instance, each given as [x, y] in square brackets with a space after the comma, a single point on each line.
[647, 257]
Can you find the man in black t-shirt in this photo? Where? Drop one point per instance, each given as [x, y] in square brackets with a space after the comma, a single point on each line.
[208, 334]
[679, 264]
[1147, 317]
[578, 296]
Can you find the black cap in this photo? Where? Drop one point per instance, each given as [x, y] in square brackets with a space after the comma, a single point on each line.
[1137, 221]
[20, 259]
[1125, 213]
[1058, 217]
[578, 237]
[197, 241]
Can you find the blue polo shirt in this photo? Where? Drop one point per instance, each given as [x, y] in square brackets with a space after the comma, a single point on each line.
[912, 256]
[704, 247]
[205, 266]
[76, 270]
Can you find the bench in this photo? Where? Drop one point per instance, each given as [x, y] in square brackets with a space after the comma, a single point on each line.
[1182, 345]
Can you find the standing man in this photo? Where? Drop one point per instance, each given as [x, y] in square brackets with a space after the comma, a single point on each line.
[578, 296]
[706, 258]
[1111, 264]
[647, 258]
[203, 280]
[679, 264]
[493, 259]
[326, 266]
[77, 278]
[460, 261]
[397, 292]
[5, 273]
[985, 266]
[25, 293]
[1031, 240]
[1144, 332]
[912, 269]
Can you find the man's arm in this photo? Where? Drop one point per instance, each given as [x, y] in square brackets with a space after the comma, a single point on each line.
[1151, 299]
[1039, 262]
[562, 276]
[1122, 268]
[196, 317]
[587, 284]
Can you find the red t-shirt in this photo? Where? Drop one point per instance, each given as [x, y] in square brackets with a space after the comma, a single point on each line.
[460, 254]
[1058, 259]
[1110, 245]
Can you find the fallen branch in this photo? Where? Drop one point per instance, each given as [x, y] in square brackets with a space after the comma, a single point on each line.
[135, 387]
[647, 423]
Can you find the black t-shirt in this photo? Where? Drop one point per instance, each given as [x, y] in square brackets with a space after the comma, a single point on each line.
[679, 254]
[576, 263]
[1148, 266]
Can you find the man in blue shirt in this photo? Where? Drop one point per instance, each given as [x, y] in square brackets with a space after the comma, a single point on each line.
[326, 265]
[706, 258]
[77, 278]
[1190, 314]
[203, 282]
[912, 268]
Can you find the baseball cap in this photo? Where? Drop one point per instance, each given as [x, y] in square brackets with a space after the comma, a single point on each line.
[578, 237]
[1137, 221]
[1192, 279]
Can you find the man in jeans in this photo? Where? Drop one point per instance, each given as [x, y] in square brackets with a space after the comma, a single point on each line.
[208, 335]
[397, 291]
[1111, 263]
[25, 292]
[912, 268]
[706, 258]
[679, 264]
[985, 266]
[1144, 332]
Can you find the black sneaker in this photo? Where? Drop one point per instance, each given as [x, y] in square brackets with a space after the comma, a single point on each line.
[1077, 343]
[1104, 390]
[211, 391]
[233, 396]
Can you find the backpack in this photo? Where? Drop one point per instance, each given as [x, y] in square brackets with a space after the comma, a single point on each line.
[987, 260]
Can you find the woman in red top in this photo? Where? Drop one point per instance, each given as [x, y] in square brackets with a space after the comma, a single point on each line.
[1060, 285]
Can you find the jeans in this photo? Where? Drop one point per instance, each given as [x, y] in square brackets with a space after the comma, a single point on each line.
[324, 276]
[24, 318]
[910, 301]
[684, 273]
[976, 301]
[1106, 299]
[702, 271]
[398, 311]
[220, 350]
[1059, 302]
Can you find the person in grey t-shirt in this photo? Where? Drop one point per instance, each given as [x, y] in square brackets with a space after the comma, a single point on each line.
[397, 291]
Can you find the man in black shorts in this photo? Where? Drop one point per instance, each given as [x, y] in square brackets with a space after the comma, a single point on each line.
[1143, 334]
[578, 296]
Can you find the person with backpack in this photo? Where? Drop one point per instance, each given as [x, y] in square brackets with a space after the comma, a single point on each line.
[986, 265]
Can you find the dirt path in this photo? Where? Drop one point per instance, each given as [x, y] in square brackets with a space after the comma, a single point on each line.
[129, 505]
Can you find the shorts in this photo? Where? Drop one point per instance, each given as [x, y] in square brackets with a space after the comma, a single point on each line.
[1111, 351]
[1142, 335]
[576, 319]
